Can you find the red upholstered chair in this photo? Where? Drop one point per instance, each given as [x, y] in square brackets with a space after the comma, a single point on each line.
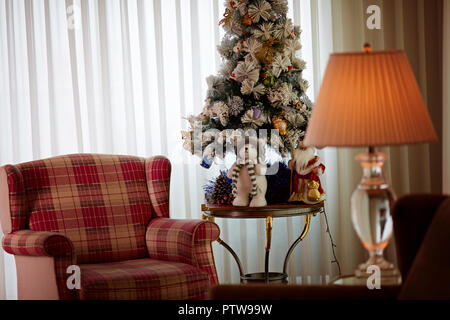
[109, 215]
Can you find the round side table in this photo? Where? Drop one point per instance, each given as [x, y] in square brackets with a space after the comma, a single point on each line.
[210, 212]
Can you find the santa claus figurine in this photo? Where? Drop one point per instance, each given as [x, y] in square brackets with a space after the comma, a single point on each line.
[306, 186]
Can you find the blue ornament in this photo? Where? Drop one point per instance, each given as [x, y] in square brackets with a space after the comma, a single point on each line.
[206, 162]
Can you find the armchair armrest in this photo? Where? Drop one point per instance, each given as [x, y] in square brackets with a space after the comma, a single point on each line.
[37, 243]
[186, 241]
[30, 247]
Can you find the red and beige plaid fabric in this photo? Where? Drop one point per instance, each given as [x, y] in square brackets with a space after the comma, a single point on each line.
[158, 181]
[100, 202]
[94, 210]
[142, 279]
[185, 241]
[17, 198]
[37, 243]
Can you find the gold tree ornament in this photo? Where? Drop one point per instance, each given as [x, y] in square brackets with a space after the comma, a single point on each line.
[271, 42]
[247, 20]
[265, 55]
[279, 125]
[226, 17]
[268, 80]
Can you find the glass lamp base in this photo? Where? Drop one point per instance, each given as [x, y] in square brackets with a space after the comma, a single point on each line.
[371, 205]
[368, 268]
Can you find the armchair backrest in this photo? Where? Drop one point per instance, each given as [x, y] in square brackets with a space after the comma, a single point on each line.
[102, 203]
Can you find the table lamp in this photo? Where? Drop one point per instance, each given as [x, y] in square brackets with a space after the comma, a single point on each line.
[369, 99]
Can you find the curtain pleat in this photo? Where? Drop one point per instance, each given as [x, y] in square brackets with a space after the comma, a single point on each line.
[6, 138]
[188, 193]
[75, 82]
[161, 75]
[128, 80]
[33, 80]
[87, 87]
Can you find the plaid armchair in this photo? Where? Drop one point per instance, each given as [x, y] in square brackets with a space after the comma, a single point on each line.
[108, 215]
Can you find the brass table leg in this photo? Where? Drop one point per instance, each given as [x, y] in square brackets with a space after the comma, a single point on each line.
[300, 238]
[226, 246]
[269, 224]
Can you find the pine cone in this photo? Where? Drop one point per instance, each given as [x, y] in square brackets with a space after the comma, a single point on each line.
[222, 191]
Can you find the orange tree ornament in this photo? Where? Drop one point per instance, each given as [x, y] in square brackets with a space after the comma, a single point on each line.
[280, 125]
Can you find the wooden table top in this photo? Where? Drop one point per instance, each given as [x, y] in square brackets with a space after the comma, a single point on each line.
[273, 210]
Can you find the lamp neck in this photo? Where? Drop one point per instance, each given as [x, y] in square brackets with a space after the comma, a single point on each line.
[372, 164]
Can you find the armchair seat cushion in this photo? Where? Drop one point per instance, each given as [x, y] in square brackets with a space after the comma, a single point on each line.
[142, 279]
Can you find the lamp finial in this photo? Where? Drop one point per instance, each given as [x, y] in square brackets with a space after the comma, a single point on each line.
[367, 48]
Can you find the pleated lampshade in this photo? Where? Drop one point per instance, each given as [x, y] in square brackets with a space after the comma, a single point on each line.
[369, 99]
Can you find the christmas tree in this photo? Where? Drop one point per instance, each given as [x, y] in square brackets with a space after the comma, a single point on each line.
[260, 84]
